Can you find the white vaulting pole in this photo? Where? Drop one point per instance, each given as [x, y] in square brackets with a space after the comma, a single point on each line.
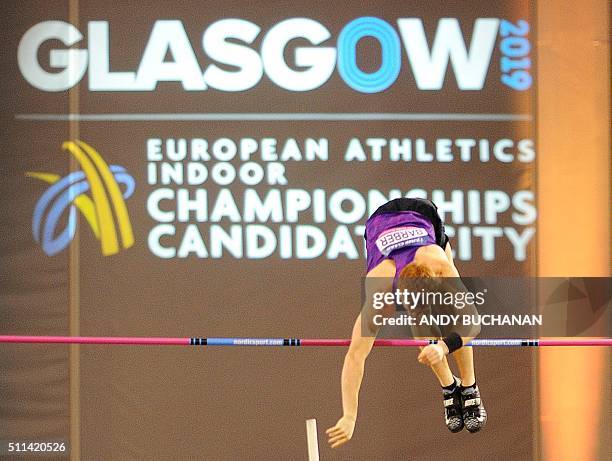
[313, 443]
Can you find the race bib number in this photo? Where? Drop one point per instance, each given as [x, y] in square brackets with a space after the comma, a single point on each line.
[399, 237]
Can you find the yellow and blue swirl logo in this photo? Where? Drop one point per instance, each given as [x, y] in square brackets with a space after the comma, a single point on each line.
[94, 191]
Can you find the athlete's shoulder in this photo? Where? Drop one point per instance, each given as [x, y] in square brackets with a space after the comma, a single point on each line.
[433, 256]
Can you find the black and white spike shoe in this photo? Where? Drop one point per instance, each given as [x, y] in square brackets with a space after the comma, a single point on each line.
[453, 408]
[474, 413]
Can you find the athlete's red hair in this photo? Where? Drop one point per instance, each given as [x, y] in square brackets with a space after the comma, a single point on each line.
[414, 270]
[415, 277]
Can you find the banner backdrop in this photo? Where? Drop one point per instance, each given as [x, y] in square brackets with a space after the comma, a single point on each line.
[188, 169]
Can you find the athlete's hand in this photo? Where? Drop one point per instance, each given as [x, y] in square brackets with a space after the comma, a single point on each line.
[341, 432]
[433, 354]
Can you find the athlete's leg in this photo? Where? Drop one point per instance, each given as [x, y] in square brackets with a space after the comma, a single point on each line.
[451, 394]
[464, 358]
[473, 410]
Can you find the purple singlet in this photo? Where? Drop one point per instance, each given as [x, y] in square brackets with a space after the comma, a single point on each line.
[397, 235]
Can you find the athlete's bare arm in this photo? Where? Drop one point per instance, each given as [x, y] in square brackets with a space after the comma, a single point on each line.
[453, 272]
[379, 279]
